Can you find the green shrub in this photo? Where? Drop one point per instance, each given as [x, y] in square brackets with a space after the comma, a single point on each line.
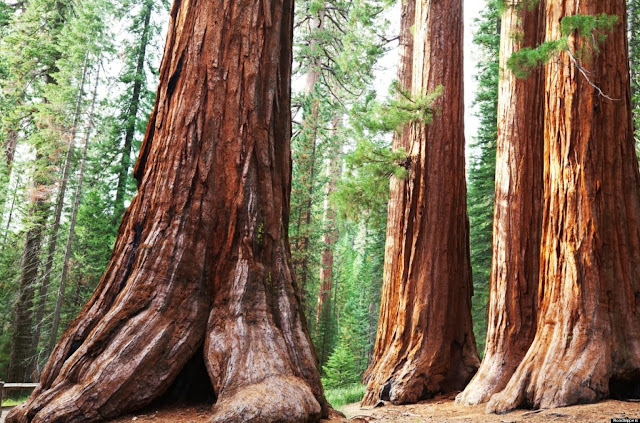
[340, 370]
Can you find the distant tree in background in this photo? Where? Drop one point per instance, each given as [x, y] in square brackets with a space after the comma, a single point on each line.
[482, 163]
[337, 45]
[46, 122]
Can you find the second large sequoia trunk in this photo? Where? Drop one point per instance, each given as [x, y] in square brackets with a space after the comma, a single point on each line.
[425, 339]
[587, 344]
[202, 259]
[518, 212]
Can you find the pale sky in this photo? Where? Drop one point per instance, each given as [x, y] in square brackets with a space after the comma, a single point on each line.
[472, 9]
[387, 68]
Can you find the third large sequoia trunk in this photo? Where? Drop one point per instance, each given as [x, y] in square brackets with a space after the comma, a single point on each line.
[202, 263]
[425, 341]
[518, 212]
[587, 344]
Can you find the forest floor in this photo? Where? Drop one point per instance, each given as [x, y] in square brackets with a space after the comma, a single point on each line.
[441, 409]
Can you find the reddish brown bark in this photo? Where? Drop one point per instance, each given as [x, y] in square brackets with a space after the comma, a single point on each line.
[587, 344]
[10, 147]
[425, 343]
[395, 210]
[518, 210]
[202, 254]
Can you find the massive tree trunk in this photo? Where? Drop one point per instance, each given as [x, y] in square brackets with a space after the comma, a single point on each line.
[633, 11]
[587, 344]
[395, 210]
[202, 259]
[518, 210]
[425, 339]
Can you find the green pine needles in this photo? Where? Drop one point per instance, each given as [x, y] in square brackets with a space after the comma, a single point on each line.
[400, 110]
[593, 29]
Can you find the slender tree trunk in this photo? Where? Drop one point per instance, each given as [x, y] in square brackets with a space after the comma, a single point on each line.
[587, 344]
[10, 147]
[7, 226]
[323, 326]
[330, 235]
[202, 254]
[10, 152]
[518, 213]
[72, 224]
[132, 113]
[429, 345]
[53, 238]
[308, 158]
[21, 353]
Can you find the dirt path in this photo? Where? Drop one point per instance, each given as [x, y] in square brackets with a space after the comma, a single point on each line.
[441, 410]
[3, 413]
[444, 410]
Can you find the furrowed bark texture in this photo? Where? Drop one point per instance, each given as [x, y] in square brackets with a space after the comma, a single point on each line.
[396, 208]
[425, 343]
[587, 344]
[518, 210]
[202, 254]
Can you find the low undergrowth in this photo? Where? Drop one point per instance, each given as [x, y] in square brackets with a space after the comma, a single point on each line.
[12, 402]
[339, 397]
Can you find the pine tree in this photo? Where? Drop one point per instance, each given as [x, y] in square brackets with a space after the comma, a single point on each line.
[37, 95]
[137, 97]
[338, 45]
[482, 163]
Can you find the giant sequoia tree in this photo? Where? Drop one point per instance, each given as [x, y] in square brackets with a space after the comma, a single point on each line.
[201, 267]
[587, 344]
[425, 341]
[518, 212]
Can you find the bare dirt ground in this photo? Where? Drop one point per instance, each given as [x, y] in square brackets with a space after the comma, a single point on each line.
[3, 413]
[442, 410]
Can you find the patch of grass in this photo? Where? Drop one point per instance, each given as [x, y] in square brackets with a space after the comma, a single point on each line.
[12, 402]
[339, 397]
